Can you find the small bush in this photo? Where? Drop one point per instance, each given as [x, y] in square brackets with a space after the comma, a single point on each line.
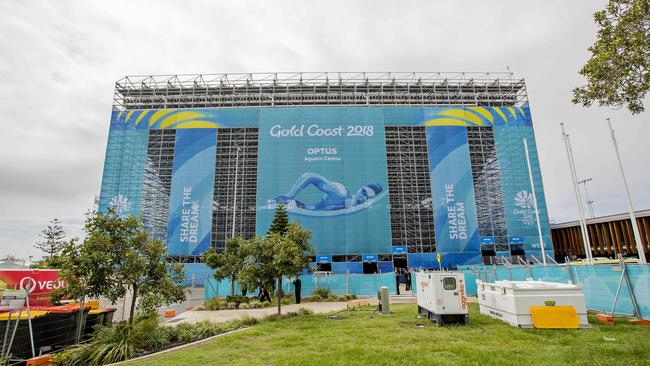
[322, 292]
[247, 320]
[238, 299]
[125, 341]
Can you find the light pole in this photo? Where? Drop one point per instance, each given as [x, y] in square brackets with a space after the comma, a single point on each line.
[234, 201]
[590, 203]
[637, 237]
[532, 188]
[583, 225]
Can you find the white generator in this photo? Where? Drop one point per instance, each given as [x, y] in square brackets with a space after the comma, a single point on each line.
[512, 301]
[441, 297]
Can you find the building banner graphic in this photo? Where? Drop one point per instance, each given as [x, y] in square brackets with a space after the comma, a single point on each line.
[452, 194]
[328, 167]
[517, 193]
[190, 202]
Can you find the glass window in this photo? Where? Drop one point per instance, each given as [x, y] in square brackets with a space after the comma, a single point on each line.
[449, 283]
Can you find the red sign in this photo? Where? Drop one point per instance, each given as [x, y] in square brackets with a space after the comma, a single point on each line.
[41, 283]
[463, 297]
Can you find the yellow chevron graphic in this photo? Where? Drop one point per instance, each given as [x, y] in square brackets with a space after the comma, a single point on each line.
[179, 117]
[462, 114]
[446, 122]
[141, 116]
[128, 116]
[158, 115]
[197, 124]
[483, 112]
[500, 113]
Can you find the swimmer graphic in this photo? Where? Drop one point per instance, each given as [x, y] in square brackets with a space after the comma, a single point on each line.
[336, 198]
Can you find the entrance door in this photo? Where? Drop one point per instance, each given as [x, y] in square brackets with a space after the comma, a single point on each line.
[370, 268]
[324, 267]
[400, 262]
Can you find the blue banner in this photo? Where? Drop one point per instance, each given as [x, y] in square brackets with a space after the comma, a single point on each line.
[452, 193]
[190, 202]
[517, 193]
[327, 166]
[369, 258]
[324, 259]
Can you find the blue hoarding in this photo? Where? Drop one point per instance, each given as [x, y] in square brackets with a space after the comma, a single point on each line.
[190, 202]
[328, 167]
[517, 193]
[452, 194]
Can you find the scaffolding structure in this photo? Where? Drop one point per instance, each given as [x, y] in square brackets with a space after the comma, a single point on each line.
[487, 187]
[235, 185]
[409, 184]
[157, 182]
[319, 89]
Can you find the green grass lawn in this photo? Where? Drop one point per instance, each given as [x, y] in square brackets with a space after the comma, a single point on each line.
[364, 338]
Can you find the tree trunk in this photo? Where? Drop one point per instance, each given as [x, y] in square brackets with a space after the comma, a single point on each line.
[133, 299]
[279, 289]
[232, 285]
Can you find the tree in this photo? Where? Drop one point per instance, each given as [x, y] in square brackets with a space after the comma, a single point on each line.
[280, 221]
[618, 72]
[118, 256]
[229, 262]
[87, 270]
[274, 257]
[52, 238]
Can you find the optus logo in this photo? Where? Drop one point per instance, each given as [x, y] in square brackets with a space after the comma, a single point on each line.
[40, 286]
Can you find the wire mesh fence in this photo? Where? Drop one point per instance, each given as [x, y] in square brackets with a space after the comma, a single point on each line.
[340, 284]
[613, 288]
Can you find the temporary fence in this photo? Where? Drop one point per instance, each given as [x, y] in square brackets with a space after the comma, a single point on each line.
[25, 333]
[620, 288]
[357, 284]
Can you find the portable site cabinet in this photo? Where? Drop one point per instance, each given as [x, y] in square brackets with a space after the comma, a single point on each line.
[514, 302]
[441, 297]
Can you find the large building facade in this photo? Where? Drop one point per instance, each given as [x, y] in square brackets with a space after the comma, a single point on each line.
[386, 169]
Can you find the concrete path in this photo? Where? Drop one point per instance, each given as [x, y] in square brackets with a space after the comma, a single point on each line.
[222, 316]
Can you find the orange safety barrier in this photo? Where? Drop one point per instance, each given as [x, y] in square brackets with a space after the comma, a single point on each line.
[170, 313]
[605, 319]
[645, 322]
[45, 360]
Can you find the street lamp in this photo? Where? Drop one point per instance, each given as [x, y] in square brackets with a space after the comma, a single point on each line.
[590, 203]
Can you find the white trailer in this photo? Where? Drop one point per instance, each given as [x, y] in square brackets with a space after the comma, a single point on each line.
[441, 297]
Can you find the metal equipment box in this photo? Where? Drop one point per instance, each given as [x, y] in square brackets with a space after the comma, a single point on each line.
[512, 301]
[441, 297]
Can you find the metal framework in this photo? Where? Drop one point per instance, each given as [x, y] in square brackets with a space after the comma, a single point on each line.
[157, 182]
[409, 184]
[487, 186]
[319, 89]
[235, 185]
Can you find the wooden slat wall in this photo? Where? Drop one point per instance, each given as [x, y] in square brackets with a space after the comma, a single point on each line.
[607, 239]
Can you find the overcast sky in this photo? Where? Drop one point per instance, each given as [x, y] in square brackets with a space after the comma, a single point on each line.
[59, 61]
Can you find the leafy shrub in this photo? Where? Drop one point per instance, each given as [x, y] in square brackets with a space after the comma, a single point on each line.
[125, 341]
[239, 299]
[248, 320]
[241, 302]
[322, 292]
